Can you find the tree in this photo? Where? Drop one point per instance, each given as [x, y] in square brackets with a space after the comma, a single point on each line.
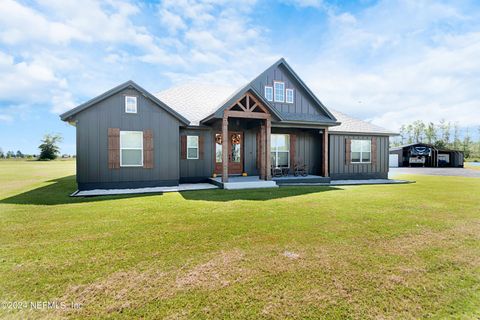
[49, 149]
[10, 154]
[456, 136]
[445, 131]
[467, 142]
[403, 134]
[431, 133]
[19, 154]
[2, 155]
[410, 133]
[418, 131]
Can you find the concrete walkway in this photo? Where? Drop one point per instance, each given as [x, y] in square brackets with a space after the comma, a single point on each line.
[455, 172]
[352, 182]
[111, 192]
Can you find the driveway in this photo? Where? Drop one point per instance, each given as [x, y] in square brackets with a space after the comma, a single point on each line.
[457, 172]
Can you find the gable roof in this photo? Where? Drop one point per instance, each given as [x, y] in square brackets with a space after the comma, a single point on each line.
[129, 84]
[302, 84]
[353, 125]
[200, 102]
[237, 95]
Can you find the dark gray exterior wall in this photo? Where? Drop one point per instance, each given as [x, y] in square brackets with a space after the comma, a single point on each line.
[198, 170]
[303, 103]
[92, 144]
[341, 170]
[308, 148]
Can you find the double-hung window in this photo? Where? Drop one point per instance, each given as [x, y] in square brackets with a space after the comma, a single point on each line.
[131, 148]
[130, 104]
[361, 151]
[269, 93]
[192, 147]
[279, 91]
[289, 95]
[280, 150]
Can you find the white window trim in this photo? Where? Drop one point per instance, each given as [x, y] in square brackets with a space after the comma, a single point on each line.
[275, 90]
[286, 95]
[197, 147]
[130, 165]
[276, 151]
[361, 152]
[265, 92]
[126, 109]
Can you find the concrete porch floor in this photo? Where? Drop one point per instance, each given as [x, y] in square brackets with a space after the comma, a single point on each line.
[239, 182]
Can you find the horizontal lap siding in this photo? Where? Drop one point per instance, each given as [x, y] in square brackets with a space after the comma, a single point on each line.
[340, 169]
[92, 140]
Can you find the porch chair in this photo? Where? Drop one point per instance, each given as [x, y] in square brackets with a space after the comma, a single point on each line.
[300, 168]
[276, 171]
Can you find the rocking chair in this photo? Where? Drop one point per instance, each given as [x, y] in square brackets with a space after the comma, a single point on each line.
[300, 169]
[276, 172]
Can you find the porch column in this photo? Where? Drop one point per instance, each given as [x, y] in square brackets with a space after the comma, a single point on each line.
[325, 153]
[268, 164]
[262, 153]
[225, 148]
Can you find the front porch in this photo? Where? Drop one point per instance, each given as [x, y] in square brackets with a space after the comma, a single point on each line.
[246, 142]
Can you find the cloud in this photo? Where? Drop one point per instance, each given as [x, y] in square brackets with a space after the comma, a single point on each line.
[376, 66]
[6, 118]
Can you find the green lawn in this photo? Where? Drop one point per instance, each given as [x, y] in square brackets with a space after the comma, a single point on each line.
[391, 251]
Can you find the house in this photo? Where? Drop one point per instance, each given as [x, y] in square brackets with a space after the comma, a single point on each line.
[129, 137]
[425, 155]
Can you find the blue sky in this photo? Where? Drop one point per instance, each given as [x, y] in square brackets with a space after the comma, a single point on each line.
[389, 62]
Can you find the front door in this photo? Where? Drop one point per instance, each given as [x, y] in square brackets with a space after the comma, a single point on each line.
[235, 152]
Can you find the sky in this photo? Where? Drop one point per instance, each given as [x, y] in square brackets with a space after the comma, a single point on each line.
[388, 62]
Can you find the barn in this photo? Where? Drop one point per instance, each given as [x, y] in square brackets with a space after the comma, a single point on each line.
[424, 155]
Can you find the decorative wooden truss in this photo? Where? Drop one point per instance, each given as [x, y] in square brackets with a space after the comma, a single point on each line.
[249, 107]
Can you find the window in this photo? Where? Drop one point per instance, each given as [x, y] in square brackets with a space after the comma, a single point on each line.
[192, 147]
[131, 148]
[289, 96]
[130, 104]
[280, 150]
[279, 91]
[269, 93]
[361, 151]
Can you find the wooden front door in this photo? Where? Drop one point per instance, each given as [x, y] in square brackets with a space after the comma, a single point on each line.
[235, 152]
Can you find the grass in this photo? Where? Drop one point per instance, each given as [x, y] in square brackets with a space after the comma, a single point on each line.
[392, 251]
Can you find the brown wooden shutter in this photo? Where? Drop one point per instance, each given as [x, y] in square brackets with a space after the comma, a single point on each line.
[148, 149]
[374, 151]
[183, 147]
[201, 147]
[293, 145]
[348, 149]
[113, 148]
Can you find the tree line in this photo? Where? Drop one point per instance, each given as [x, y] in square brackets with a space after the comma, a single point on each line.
[443, 135]
[49, 149]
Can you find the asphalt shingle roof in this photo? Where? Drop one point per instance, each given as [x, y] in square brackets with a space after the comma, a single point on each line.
[350, 124]
[197, 101]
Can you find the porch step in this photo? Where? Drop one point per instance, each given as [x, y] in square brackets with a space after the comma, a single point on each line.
[292, 180]
[236, 183]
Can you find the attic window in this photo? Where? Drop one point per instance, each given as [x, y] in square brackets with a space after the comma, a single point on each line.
[130, 104]
[279, 91]
[289, 96]
[269, 93]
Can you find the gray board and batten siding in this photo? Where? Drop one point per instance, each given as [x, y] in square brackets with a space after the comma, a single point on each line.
[92, 143]
[340, 168]
[304, 108]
